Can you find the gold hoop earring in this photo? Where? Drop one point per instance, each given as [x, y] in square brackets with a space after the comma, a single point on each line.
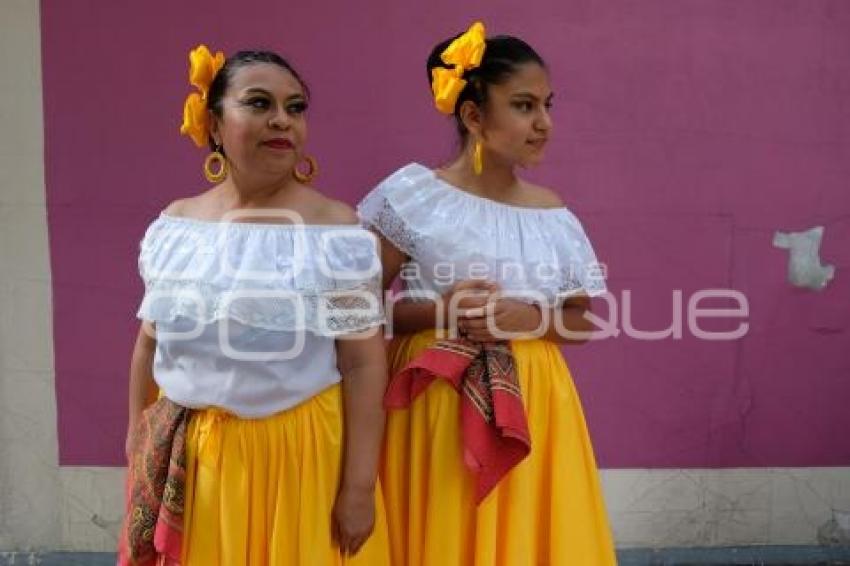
[303, 177]
[478, 158]
[213, 158]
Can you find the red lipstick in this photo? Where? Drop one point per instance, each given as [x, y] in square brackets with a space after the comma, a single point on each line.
[278, 143]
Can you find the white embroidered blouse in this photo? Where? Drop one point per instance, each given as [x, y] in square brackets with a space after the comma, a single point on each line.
[539, 254]
[246, 314]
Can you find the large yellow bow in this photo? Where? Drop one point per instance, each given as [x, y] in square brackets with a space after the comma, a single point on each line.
[464, 53]
[203, 67]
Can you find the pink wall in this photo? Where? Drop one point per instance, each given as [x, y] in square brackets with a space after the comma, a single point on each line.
[687, 132]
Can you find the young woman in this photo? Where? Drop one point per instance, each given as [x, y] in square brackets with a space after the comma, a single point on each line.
[261, 330]
[487, 459]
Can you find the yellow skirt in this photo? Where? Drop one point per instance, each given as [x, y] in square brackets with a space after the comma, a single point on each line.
[548, 510]
[260, 492]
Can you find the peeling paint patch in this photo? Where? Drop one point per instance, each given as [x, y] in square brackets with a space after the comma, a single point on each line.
[836, 531]
[804, 266]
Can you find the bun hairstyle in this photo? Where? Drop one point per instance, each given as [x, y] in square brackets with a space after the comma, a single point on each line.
[503, 55]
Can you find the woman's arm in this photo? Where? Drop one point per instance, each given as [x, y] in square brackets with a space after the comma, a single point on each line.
[572, 316]
[407, 316]
[362, 362]
[143, 389]
[413, 316]
[514, 316]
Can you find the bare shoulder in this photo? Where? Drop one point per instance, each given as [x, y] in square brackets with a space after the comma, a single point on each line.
[191, 207]
[541, 197]
[332, 211]
[178, 207]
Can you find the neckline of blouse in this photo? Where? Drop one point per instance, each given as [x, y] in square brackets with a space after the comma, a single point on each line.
[488, 201]
[255, 225]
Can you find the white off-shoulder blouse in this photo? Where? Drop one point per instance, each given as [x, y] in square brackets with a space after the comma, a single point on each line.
[539, 254]
[247, 314]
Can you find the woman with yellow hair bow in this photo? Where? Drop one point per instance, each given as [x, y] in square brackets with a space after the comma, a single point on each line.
[487, 459]
[261, 329]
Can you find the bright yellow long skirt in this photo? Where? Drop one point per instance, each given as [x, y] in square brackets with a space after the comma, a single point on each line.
[547, 510]
[260, 492]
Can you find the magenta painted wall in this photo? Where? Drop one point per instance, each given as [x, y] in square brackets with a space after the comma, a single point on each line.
[687, 133]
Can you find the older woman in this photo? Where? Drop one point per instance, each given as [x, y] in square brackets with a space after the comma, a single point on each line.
[261, 323]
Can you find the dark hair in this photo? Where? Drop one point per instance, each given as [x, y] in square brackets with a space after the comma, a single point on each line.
[222, 79]
[503, 55]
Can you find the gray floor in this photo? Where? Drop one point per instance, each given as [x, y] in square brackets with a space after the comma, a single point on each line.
[747, 555]
[753, 556]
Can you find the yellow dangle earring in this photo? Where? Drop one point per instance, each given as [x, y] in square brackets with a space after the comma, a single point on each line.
[478, 158]
[306, 177]
[216, 158]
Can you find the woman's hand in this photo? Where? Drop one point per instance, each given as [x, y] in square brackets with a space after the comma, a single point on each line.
[466, 295]
[143, 389]
[128, 441]
[508, 319]
[362, 362]
[353, 518]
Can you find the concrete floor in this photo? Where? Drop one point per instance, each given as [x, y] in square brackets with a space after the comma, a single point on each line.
[746, 555]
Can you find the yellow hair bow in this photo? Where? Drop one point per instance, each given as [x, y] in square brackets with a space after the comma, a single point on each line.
[203, 67]
[464, 53]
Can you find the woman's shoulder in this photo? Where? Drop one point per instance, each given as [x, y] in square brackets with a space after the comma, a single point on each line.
[541, 197]
[177, 207]
[405, 177]
[410, 185]
[197, 206]
[317, 208]
[332, 211]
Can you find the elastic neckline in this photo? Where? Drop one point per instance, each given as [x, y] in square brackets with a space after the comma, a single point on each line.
[249, 225]
[485, 200]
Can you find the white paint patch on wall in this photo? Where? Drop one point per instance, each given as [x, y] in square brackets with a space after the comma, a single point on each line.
[804, 264]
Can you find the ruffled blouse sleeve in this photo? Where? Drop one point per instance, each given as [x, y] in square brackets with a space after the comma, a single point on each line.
[544, 250]
[324, 279]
